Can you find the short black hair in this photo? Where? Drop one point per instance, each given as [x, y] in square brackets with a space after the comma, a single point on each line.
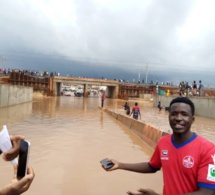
[136, 103]
[183, 100]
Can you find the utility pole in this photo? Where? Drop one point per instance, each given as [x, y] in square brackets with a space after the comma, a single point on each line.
[146, 72]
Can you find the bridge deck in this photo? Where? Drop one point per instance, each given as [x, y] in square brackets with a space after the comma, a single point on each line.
[125, 90]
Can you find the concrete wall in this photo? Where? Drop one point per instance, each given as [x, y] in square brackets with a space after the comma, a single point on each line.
[14, 94]
[205, 106]
[146, 96]
[147, 133]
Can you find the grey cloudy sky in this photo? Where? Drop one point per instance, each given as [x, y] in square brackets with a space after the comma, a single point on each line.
[111, 38]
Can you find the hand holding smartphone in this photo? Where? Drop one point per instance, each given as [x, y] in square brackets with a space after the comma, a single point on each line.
[106, 164]
[23, 159]
[5, 142]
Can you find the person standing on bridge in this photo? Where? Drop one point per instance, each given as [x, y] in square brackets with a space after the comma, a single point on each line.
[102, 99]
[136, 111]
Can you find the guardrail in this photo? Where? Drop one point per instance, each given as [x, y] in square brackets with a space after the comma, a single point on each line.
[146, 132]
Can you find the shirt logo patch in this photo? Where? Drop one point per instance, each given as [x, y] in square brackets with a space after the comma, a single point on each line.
[211, 173]
[188, 161]
[211, 170]
[164, 155]
[164, 152]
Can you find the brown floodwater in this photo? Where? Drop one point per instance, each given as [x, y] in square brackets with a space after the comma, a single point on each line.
[70, 135]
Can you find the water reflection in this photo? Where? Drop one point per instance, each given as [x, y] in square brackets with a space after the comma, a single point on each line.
[101, 119]
[13, 114]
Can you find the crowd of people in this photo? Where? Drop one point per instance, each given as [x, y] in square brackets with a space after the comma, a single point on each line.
[4, 71]
[195, 89]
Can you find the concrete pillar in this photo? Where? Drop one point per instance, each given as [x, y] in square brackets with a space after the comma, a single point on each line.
[116, 92]
[58, 86]
[107, 92]
[51, 81]
[55, 89]
[85, 90]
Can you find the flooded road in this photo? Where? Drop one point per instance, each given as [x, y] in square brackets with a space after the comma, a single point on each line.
[159, 119]
[70, 135]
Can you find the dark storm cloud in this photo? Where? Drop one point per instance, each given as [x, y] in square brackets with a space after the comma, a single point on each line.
[99, 37]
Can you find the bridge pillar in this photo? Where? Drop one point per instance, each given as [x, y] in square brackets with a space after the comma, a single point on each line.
[57, 88]
[54, 88]
[116, 92]
[85, 90]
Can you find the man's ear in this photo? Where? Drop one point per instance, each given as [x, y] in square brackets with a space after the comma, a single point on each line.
[193, 119]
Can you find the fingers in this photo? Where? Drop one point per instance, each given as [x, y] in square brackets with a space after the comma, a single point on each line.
[13, 153]
[19, 186]
[130, 193]
[17, 137]
[115, 165]
[142, 190]
[30, 171]
[24, 183]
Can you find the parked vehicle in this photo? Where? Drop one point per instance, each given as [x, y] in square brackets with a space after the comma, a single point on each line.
[79, 93]
[67, 93]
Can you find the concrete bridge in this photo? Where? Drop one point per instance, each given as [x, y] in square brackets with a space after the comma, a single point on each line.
[112, 89]
[51, 86]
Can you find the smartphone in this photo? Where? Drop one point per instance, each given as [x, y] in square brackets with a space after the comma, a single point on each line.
[23, 159]
[106, 164]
